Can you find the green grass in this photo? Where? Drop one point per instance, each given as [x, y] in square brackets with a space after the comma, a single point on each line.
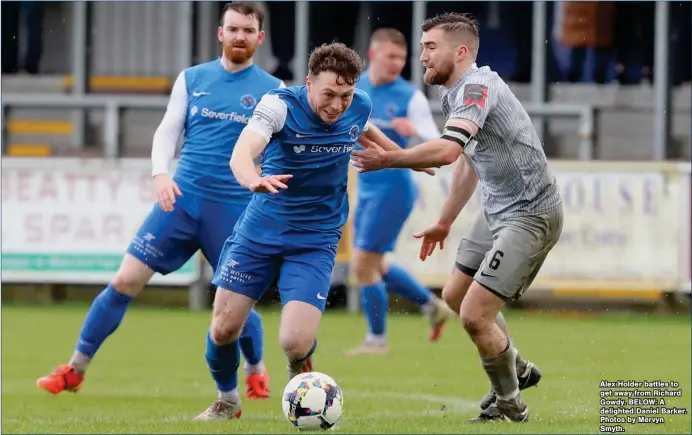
[151, 377]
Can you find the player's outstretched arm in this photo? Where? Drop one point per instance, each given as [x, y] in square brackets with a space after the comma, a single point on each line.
[433, 153]
[268, 118]
[373, 135]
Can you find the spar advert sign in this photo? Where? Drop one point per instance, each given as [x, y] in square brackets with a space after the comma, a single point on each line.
[71, 222]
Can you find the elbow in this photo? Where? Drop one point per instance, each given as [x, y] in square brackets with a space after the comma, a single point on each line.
[450, 154]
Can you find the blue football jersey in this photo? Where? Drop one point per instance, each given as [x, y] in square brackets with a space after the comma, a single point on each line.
[317, 154]
[220, 105]
[389, 101]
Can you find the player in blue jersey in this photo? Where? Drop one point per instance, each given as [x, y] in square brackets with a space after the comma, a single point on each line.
[291, 228]
[199, 206]
[386, 198]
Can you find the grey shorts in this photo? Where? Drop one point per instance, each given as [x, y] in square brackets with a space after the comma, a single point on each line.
[505, 255]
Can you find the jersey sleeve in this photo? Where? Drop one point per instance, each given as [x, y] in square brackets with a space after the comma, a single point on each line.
[420, 115]
[269, 116]
[366, 105]
[168, 132]
[366, 127]
[475, 100]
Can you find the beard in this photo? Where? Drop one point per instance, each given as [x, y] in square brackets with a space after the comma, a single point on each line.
[439, 75]
[239, 56]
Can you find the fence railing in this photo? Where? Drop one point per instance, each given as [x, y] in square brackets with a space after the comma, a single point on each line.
[114, 105]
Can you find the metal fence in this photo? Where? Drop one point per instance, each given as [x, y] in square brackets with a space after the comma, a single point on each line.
[197, 30]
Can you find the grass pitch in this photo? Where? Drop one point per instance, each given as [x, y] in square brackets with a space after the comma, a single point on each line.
[151, 377]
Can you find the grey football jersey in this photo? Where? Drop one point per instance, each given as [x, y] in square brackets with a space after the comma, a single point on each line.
[507, 153]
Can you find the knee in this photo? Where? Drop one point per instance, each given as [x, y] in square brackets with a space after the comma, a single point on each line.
[131, 277]
[455, 290]
[452, 298]
[472, 324]
[475, 319]
[225, 329]
[127, 283]
[296, 345]
[367, 269]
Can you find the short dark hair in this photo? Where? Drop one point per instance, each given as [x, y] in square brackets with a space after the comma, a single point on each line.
[388, 34]
[244, 8]
[337, 58]
[452, 22]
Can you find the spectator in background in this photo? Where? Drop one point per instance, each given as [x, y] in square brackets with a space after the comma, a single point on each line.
[634, 41]
[33, 20]
[281, 30]
[10, 36]
[12, 15]
[682, 23]
[587, 25]
[521, 26]
[329, 22]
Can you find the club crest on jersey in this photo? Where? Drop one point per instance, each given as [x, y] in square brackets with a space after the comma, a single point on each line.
[475, 94]
[391, 109]
[353, 132]
[248, 101]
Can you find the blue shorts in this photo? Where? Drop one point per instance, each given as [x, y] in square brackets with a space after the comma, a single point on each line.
[302, 274]
[378, 221]
[167, 240]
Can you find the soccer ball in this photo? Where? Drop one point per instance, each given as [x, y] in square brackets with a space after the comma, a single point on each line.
[312, 401]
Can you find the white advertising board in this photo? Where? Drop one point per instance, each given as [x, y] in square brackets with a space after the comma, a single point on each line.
[623, 228]
[686, 246]
[70, 221]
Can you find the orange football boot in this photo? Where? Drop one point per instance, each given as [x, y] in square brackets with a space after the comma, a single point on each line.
[64, 378]
[307, 366]
[257, 385]
[438, 317]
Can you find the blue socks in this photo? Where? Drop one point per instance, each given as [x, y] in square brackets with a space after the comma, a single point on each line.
[103, 318]
[223, 362]
[405, 285]
[251, 338]
[375, 305]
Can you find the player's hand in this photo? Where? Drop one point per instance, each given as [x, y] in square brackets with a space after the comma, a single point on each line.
[367, 143]
[434, 234]
[404, 127]
[369, 159]
[166, 191]
[270, 184]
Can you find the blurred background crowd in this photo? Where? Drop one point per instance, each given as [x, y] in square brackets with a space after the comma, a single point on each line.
[598, 42]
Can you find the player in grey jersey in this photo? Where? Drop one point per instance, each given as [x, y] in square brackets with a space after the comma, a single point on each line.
[490, 137]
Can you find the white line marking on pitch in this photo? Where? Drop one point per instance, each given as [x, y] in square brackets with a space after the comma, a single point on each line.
[453, 405]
